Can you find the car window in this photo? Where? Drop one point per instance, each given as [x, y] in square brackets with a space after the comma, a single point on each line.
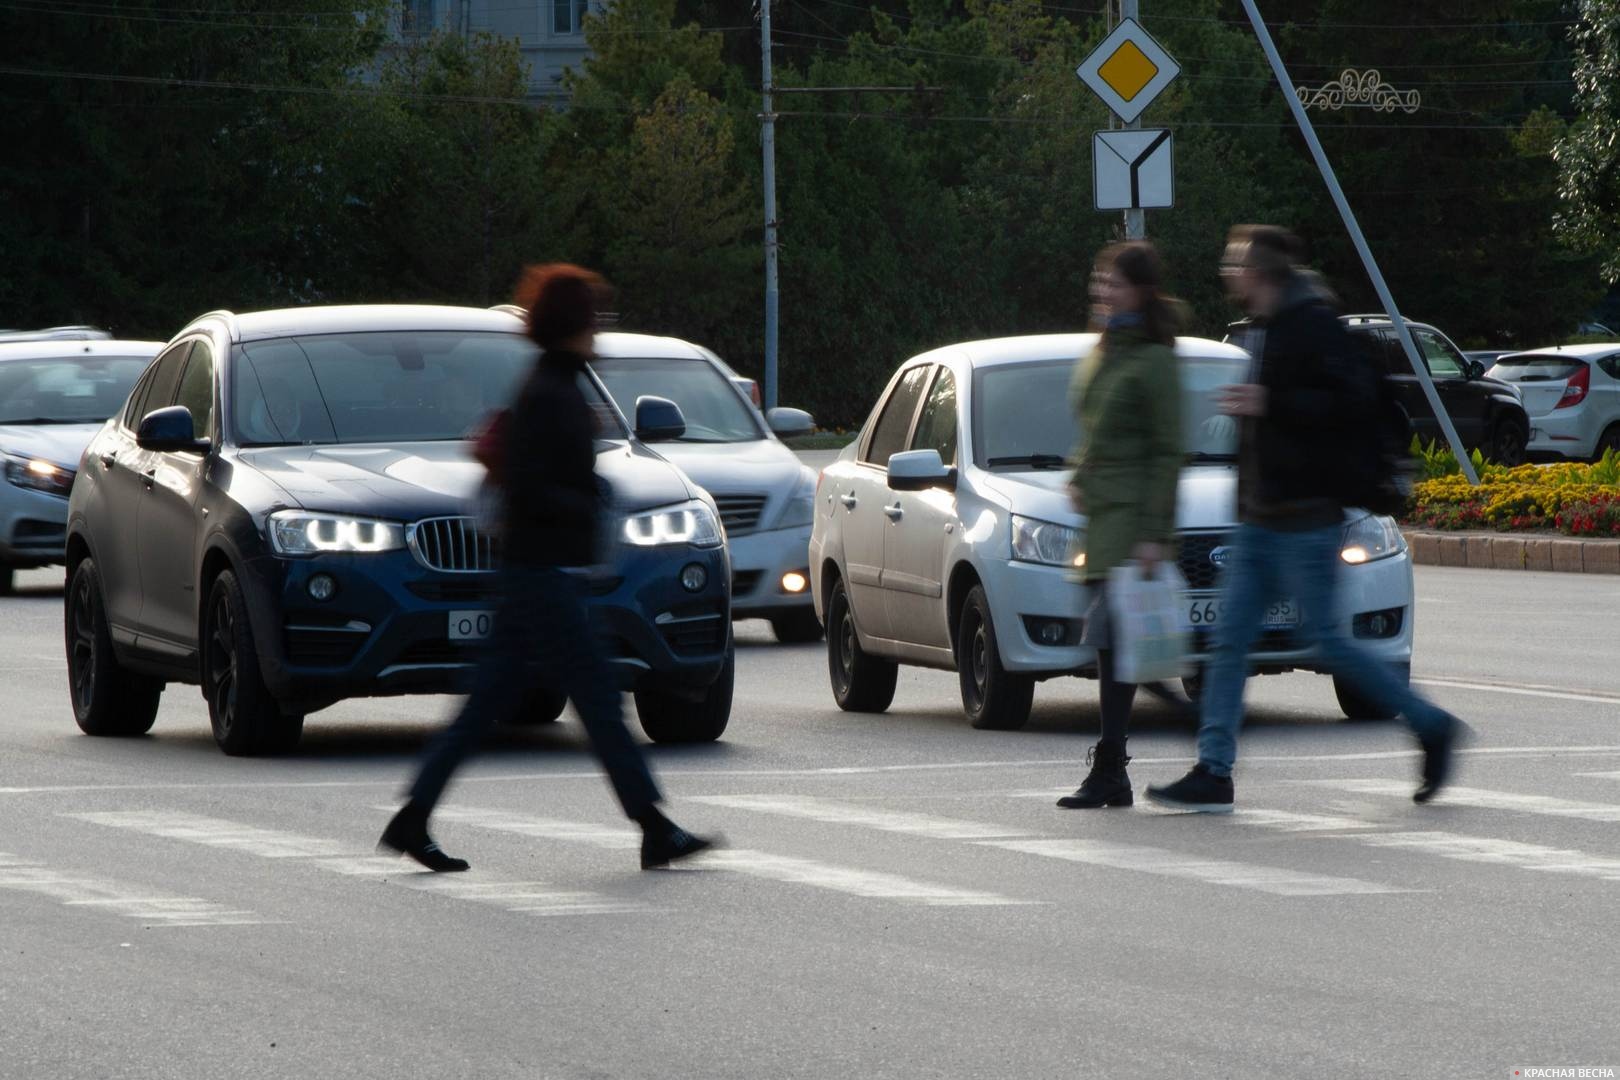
[160, 384]
[936, 427]
[1531, 369]
[1444, 361]
[894, 424]
[197, 389]
[1610, 366]
[77, 389]
[383, 386]
[714, 411]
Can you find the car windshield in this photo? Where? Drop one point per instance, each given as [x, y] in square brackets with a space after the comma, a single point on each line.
[66, 390]
[1023, 420]
[386, 386]
[714, 411]
[1536, 368]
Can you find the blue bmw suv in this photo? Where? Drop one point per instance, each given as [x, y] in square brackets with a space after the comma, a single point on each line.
[283, 514]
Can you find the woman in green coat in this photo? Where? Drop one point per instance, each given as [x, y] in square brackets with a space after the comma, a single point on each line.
[1127, 395]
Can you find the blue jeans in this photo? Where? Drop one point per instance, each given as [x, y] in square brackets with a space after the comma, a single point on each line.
[542, 636]
[1265, 566]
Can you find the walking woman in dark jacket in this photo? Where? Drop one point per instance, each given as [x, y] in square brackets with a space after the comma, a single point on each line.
[1127, 395]
[550, 506]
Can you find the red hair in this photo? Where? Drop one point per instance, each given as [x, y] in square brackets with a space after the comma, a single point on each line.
[561, 300]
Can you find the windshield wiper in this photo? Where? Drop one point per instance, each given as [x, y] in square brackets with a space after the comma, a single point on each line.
[1034, 461]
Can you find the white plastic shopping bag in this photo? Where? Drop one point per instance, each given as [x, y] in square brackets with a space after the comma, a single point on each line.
[1147, 623]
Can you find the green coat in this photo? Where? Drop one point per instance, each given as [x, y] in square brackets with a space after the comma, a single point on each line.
[1127, 396]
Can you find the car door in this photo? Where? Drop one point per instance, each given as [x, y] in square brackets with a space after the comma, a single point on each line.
[113, 520]
[917, 527]
[167, 528]
[861, 496]
[1464, 399]
[1408, 390]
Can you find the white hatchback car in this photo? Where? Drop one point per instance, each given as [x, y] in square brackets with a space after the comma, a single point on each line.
[1572, 395]
[944, 536]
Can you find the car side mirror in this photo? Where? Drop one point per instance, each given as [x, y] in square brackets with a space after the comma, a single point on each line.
[790, 423]
[1473, 369]
[658, 419]
[170, 430]
[919, 470]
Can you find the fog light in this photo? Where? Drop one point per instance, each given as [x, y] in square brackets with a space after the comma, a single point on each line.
[1053, 633]
[794, 582]
[322, 587]
[694, 577]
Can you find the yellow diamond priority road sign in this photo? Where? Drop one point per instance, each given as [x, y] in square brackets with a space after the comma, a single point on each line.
[1128, 70]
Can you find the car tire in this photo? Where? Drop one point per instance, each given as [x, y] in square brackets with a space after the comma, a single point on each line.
[541, 705]
[108, 699]
[993, 698]
[1509, 437]
[797, 627]
[1357, 707]
[671, 718]
[1609, 440]
[1193, 686]
[860, 681]
[8, 579]
[246, 718]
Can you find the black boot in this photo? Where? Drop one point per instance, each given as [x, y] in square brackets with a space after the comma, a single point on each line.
[664, 842]
[1107, 784]
[407, 834]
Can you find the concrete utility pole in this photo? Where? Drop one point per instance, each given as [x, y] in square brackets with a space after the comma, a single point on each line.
[768, 143]
[1135, 220]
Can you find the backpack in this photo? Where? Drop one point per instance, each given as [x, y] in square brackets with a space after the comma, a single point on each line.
[1376, 471]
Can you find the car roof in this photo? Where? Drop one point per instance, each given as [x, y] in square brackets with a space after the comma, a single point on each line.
[56, 349]
[1589, 351]
[1026, 348]
[376, 318]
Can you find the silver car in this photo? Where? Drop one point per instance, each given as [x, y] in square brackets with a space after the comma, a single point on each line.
[1572, 394]
[54, 396]
[765, 495]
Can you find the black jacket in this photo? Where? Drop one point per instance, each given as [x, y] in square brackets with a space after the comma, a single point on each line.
[1317, 391]
[553, 503]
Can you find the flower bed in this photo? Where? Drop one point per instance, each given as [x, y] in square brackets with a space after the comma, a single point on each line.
[1574, 499]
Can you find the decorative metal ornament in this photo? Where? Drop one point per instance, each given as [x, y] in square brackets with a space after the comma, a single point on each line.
[1355, 89]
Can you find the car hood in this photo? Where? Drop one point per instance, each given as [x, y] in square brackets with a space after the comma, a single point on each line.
[60, 444]
[763, 467]
[1206, 497]
[416, 480]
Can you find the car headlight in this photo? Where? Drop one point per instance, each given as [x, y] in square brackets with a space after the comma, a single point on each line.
[689, 523]
[302, 532]
[1371, 538]
[1046, 542]
[801, 508]
[38, 474]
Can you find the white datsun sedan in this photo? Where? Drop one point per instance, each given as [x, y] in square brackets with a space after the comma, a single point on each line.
[944, 536]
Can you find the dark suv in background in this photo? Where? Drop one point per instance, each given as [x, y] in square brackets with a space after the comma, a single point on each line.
[1488, 413]
[281, 514]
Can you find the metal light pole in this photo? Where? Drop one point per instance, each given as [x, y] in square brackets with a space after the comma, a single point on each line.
[1367, 260]
[768, 143]
[1135, 220]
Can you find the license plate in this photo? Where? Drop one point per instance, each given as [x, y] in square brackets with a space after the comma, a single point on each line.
[470, 625]
[1206, 614]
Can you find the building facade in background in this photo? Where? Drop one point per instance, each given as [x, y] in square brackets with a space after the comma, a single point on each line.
[551, 33]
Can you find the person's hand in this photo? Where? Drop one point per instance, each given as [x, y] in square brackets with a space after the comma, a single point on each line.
[1077, 499]
[1148, 556]
[1245, 399]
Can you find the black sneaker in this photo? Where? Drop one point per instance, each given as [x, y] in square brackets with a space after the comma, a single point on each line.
[407, 835]
[1200, 791]
[1437, 759]
[660, 847]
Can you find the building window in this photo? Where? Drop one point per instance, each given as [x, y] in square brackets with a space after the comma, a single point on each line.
[568, 16]
[417, 17]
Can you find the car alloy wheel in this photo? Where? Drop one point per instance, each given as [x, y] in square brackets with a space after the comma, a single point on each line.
[222, 664]
[246, 717]
[108, 699]
[82, 668]
[1508, 441]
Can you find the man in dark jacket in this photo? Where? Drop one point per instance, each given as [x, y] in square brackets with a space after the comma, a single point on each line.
[1307, 391]
[551, 506]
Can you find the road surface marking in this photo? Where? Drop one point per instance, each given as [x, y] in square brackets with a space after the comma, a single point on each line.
[1176, 864]
[1483, 849]
[834, 812]
[870, 884]
[1544, 805]
[130, 901]
[1522, 690]
[526, 897]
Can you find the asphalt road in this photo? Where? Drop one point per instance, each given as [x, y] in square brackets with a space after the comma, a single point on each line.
[899, 897]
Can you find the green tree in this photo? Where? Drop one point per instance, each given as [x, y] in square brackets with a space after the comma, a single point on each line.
[1588, 155]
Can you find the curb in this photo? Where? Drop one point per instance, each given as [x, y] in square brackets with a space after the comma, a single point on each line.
[1498, 551]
